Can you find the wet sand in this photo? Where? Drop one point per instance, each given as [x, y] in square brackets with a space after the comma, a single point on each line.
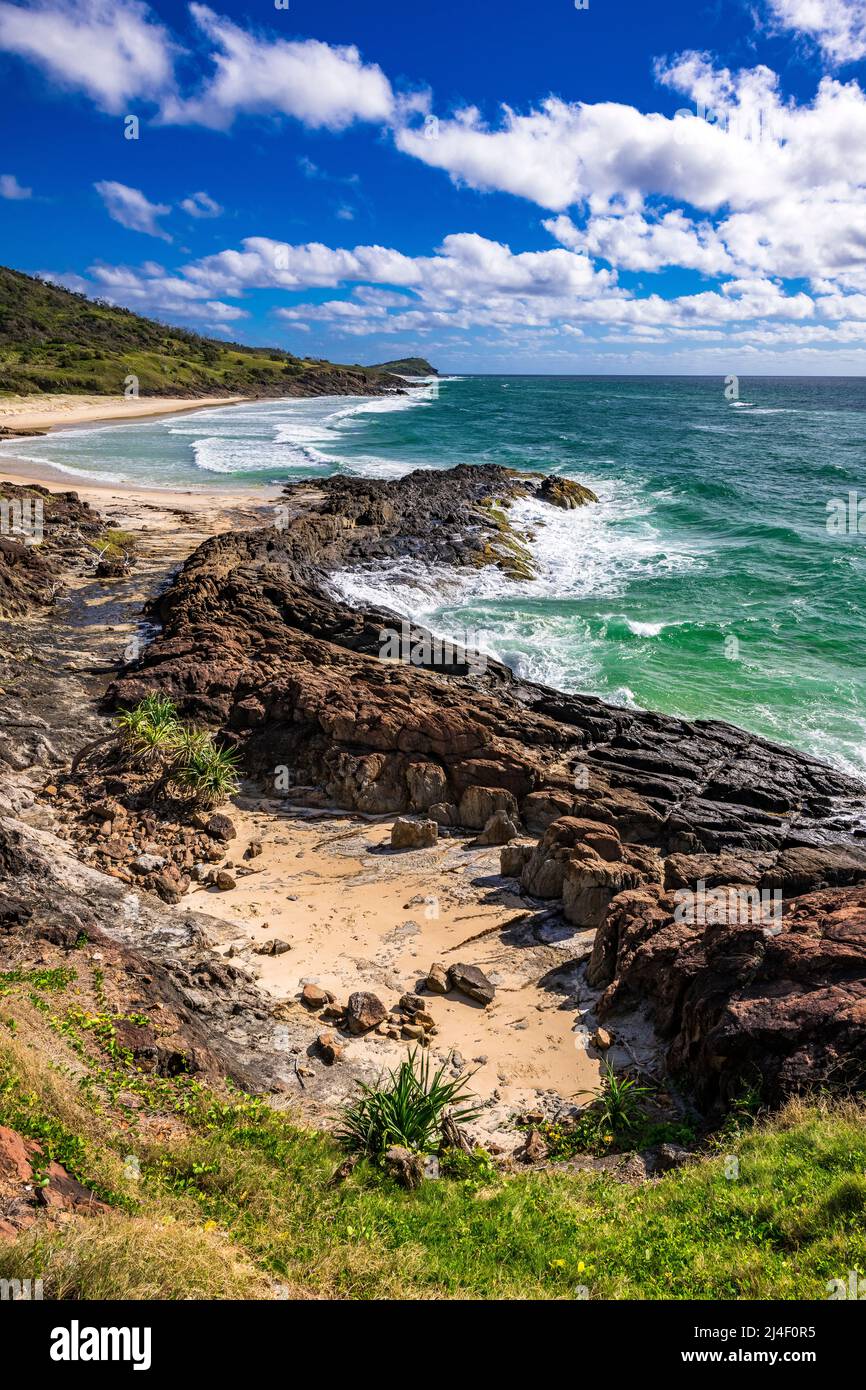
[50, 412]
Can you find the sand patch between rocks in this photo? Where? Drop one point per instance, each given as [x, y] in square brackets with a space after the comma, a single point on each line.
[359, 916]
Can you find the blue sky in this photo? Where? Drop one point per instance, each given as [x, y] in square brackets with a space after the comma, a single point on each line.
[498, 186]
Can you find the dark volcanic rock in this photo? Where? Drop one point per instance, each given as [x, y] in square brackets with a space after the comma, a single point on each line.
[250, 621]
[471, 981]
[254, 642]
[364, 1011]
[220, 827]
[740, 1003]
[31, 573]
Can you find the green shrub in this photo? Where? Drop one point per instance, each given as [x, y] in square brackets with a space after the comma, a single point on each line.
[203, 770]
[618, 1104]
[408, 1109]
[189, 759]
[151, 729]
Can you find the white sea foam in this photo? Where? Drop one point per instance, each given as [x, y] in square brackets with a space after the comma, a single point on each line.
[294, 434]
[91, 474]
[579, 554]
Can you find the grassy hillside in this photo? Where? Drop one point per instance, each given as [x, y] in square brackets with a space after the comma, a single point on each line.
[54, 340]
[407, 366]
[233, 1198]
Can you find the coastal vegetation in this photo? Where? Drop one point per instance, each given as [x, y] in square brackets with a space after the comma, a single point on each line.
[407, 366]
[213, 1193]
[56, 340]
[410, 1108]
[187, 760]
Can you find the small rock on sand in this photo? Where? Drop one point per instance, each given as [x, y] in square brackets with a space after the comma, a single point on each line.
[469, 980]
[437, 979]
[413, 834]
[220, 827]
[364, 1012]
[329, 1049]
[275, 947]
[314, 997]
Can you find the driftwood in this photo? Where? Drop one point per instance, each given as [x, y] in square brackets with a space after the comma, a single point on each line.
[90, 748]
[453, 1137]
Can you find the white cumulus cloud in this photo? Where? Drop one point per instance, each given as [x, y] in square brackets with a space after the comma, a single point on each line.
[838, 27]
[132, 209]
[323, 86]
[114, 50]
[11, 189]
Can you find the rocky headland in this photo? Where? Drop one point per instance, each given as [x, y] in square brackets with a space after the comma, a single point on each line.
[603, 823]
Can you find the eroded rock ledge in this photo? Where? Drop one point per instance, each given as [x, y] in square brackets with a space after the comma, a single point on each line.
[31, 573]
[630, 807]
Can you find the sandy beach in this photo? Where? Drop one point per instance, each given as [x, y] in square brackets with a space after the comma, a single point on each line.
[215, 508]
[357, 915]
[48, 412]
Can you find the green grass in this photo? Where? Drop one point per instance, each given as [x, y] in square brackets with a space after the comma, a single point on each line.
[114, 544]
[252, 1185]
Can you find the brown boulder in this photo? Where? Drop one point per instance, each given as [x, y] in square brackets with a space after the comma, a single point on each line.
[498, 831]
[364, 1012]
[544, 873]
[589, 885]
[514, 857]
[540, 808]
[469, 980]
[735, 1000]
[478, 804]
[220, 827]
[413, 834]
[427, 785]
[437, 979]
[328, 1048]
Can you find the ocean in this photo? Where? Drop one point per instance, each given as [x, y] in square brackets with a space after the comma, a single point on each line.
[706, 583]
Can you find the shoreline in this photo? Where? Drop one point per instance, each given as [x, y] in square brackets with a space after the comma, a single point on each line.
[53, 412]
[131, 493]
[210, 498]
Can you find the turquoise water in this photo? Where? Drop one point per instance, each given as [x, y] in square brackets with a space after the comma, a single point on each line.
[706, 583]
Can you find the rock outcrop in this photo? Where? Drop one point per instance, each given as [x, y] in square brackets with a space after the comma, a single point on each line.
[632, 808]
[780, 1008]
[43, 535]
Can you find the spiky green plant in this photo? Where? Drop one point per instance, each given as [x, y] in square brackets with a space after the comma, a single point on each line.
[202, 769]
[619, 1102]
[150, 729]
[408, 1108]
